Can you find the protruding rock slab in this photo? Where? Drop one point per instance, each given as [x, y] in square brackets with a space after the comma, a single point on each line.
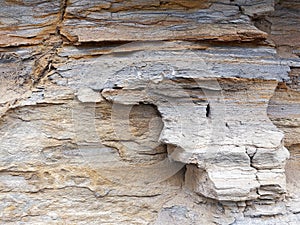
[156, 20]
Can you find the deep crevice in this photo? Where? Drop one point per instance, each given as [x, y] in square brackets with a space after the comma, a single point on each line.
[208, 113]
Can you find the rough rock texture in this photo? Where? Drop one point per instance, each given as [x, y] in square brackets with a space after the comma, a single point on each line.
[149, 112]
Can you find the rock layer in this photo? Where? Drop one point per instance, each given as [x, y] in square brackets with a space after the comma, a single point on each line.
[149, 112]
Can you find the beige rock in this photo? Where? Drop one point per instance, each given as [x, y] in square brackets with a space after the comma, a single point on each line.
[149, 112]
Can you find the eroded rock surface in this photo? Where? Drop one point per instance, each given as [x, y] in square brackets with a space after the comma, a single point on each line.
[149, 112]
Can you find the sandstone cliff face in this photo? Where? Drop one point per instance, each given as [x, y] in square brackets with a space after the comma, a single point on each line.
[149, 112]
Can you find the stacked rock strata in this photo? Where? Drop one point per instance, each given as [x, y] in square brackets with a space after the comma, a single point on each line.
[149, 112]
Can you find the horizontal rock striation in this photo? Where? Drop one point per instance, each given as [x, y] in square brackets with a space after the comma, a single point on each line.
[149, 112]
[157, 20]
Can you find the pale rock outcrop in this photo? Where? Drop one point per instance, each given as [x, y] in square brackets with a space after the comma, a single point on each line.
[149, 112]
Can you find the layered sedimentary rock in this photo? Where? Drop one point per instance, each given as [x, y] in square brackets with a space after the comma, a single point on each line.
[149, 112]
[28, 22]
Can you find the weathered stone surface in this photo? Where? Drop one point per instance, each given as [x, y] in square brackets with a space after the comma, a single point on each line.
[284, 30]
[149, 112]
[256, 8]
[15, 73]
[240, 185]
[157, 20]
[28, 22]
